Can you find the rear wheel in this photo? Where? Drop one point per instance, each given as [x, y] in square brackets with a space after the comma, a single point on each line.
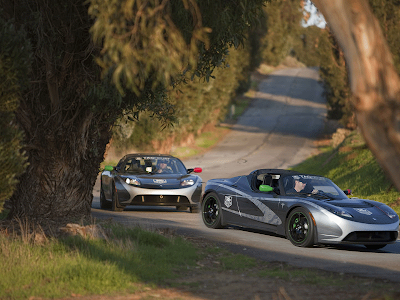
[211, 211]
[300, 228]
[115, 204]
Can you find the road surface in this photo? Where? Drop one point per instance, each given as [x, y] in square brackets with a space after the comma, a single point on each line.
[276, 131]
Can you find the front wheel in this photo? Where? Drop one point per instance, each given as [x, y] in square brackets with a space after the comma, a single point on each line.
[300, 228]
[211, 211]
[104, 204]
[115, 204]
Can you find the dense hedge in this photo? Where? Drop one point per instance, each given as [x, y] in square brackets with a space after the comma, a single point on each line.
[14, 66]
[283, 24]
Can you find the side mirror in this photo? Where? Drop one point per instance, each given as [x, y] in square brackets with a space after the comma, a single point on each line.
[196, 170]
[265, 188]
[348, 192]
[108, 168]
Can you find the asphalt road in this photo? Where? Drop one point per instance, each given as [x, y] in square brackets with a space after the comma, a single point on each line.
[276, 131]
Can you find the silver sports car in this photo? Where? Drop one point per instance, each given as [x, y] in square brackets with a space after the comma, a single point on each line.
[307, 209]
[150, 179]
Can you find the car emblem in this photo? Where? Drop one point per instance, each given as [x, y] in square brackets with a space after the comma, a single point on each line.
[159, 181]
[363, 211]
[228, 201]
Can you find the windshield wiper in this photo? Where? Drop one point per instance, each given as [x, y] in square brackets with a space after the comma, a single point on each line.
[322, 195]
[298, 194]
[319, 195]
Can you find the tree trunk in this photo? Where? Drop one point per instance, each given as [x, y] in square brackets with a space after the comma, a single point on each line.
[58, 183]
[65, 131]
[373, 79]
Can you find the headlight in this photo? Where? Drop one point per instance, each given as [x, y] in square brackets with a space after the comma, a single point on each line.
[133, 181]
[340, 212]
[388, 211]
[187, 182]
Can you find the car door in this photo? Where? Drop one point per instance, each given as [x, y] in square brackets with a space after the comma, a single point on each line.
[258, 209]
[229, 205]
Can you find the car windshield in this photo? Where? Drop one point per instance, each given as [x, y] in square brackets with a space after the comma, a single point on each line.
[316, 186]
[153, 165]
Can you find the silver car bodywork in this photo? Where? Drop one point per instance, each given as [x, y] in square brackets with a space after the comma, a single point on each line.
[321, 214]
[142, 184]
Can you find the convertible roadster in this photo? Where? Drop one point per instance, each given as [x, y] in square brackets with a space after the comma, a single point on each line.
[307, 209]
[149, 179]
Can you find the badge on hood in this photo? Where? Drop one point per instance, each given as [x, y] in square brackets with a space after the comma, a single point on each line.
[363, 211]
[159, 181]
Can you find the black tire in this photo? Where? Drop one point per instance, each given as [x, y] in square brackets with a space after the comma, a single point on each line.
[300, 228]
[115, 204]
[211, 211]
[375, 247]
[104, 204]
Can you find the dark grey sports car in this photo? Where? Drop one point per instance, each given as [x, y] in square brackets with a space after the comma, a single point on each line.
[150, 179]
[307, 209]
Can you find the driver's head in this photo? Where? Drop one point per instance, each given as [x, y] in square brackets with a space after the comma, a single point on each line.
[162, 165]
[299, 184]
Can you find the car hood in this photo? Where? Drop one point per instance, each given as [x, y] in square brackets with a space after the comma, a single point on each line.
[351, 202]
[161, 181]
[365, 211]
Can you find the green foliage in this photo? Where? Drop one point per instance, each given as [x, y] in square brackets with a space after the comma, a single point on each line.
[283, 30]
[352, 166]
[91, 266]
[196, 103]
[158, 41]
[307, 49]
[388, 14]
[202, 36]
[15, 63]
[334, 74]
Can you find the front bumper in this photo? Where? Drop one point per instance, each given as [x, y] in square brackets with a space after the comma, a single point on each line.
[131, 195]
[336, 230]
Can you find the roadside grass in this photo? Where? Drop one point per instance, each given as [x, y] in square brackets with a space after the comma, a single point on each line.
[238, 262]
[129, 260]
[137, 261]
[351, 165]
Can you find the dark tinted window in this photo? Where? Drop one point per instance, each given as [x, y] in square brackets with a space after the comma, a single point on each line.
[154, 164]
